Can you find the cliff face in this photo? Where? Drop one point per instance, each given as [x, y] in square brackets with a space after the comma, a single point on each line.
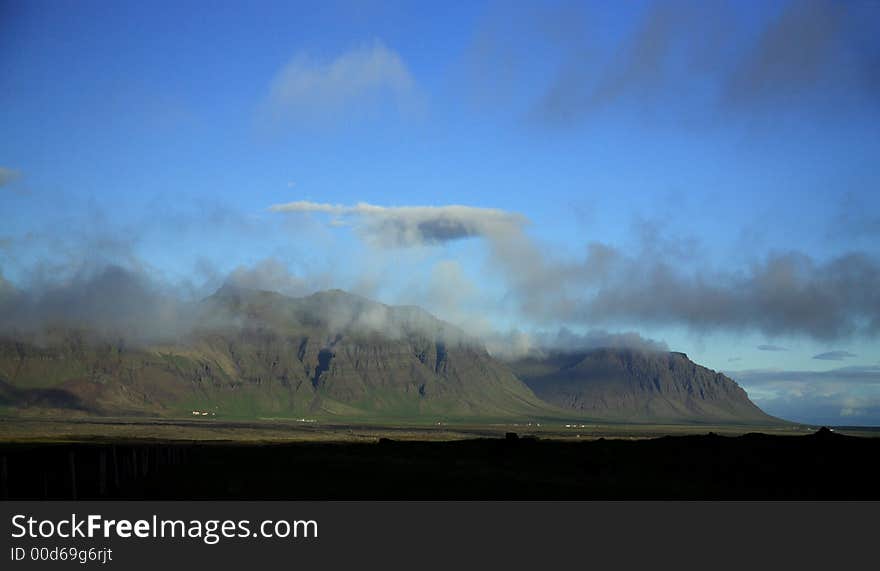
[259, 353]
[635, 386]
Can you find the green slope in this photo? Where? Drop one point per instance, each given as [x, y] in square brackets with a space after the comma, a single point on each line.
[261, 354]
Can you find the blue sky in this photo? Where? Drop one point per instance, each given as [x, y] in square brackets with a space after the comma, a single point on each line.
[701, 173]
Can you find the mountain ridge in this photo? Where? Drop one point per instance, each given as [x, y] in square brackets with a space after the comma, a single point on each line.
[637, 385]
[258, 353]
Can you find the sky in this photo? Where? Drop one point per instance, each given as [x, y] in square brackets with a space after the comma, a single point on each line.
[699, 176]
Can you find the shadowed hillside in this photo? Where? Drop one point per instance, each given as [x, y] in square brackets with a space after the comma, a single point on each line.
[637, 386]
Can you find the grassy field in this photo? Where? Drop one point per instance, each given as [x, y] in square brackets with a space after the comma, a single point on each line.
[60, 429]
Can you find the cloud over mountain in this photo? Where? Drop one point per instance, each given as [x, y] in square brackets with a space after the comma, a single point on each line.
[782, 294]
[662, 282]
[414, 225]
[110, 302]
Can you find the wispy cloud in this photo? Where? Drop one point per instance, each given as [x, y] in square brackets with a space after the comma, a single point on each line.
[8, 175]
[710, 53]
[847, 395]
[308, 90]
[403, 226]
[771, 348]
[834, 356]
[662, 282]
[109, 301]
[795, 54]
[270, 275]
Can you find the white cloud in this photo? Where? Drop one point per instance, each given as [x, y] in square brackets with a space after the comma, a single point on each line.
[401, 226]
[308, 90]
[270, 275]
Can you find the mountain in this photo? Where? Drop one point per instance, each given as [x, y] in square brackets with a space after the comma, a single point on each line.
[630, 385]
[261, 354]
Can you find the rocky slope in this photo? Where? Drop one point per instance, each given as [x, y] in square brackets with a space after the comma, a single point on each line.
[637, 386]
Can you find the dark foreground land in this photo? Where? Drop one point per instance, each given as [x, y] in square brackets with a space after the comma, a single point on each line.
[824, 465]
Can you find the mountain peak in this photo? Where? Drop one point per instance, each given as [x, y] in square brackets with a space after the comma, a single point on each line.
[638, 386]
[334, 311]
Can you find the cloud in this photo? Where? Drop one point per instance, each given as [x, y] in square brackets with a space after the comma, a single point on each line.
[661, 282]
[771, 348]
[306, 90]
[107, 302]
[866, 375]
[834, 356]
[404, 226]
[847, 395]
[639, 66]
[678, 57]
[8, 176]
[134, 306]
[449, 293]
[793, 54]
[787, 293]
[269, 275]
[517, 344]
[856, 219]
[567, 340]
